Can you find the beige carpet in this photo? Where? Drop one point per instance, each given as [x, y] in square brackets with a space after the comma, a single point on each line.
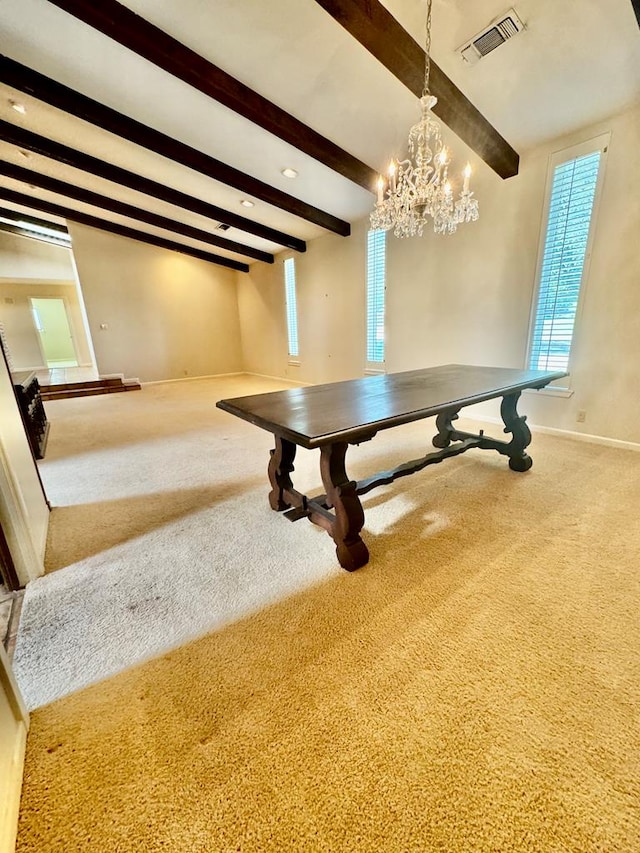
[474, 688]
[156, 500]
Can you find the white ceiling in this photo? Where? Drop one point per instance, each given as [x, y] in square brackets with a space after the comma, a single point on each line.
[576, 63]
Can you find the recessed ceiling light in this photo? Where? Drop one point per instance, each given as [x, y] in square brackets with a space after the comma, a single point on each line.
[289, 173]
[246, 203]
[19, 108]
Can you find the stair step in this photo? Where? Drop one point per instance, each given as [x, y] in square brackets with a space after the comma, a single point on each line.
[89, 383]
[112, 385]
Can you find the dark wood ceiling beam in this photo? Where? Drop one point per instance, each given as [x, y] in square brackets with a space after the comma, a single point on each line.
[24, 138]
[45, 182]
[120, 230]
[144, 38]
[16, 216]
[636, 9]
[15, 227]
[24, 232]
[49, 91]
[370, 23]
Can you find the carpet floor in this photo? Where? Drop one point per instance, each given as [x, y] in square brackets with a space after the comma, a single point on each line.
[473, 689]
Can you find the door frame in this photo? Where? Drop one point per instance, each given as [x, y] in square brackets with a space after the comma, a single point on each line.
[8, 571]
[11, 783]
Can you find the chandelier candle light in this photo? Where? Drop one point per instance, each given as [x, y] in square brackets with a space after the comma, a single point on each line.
[418, 188]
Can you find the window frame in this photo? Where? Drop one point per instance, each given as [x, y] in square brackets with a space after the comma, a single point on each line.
[372, 368]
[562, 387]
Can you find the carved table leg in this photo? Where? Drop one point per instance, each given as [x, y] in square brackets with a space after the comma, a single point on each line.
[280, 467]
[349, 515]
[444, 425]
[516, 424]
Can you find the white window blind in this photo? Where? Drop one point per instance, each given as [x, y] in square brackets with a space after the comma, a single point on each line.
[292, 306]
[569, 220]
[376, 261]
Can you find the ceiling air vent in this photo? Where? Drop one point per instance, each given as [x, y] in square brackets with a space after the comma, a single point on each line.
[502, 28]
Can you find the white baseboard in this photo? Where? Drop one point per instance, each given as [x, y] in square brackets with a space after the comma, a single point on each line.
[192, 378]
[46, 367]
[585, 436]
[30, 367]
[568, 433]
[277, 378]
[225, 375]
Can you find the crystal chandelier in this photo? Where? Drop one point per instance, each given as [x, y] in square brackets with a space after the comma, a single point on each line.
[419, 188]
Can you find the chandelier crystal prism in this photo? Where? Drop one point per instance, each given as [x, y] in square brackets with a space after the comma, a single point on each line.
[418, 189]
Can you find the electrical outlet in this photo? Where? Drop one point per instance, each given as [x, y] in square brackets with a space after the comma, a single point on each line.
[581, 416]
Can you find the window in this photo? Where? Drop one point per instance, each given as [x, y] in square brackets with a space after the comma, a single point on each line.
[376, 259]
[565, 252]
[292, 307]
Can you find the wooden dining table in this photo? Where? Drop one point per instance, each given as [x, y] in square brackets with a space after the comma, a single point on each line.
[334, 415]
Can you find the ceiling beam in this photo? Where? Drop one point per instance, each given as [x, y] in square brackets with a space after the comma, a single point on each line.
[636, 9]
[45, 182]
[16, 227]
[120, 230]
[144, 38]
[31, 82]
[24, 138]
[17, 216]
[24, 232]
[369, 22]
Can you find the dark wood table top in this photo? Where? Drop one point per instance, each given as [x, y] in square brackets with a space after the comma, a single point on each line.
[346, 411]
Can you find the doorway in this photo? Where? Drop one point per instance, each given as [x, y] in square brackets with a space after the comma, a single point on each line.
[54, 332]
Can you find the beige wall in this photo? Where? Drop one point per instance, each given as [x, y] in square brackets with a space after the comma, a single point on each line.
[167, 315]
[467, 298]
[330, 312]
[24, 257]
[15, 314]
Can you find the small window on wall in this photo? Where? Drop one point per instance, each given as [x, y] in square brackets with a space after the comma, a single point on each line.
[376, 262]
[292, 307]
[574, 180]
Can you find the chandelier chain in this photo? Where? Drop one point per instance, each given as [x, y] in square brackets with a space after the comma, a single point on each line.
[427, 51]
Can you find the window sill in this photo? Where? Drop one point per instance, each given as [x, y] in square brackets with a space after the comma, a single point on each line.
[550, 391]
